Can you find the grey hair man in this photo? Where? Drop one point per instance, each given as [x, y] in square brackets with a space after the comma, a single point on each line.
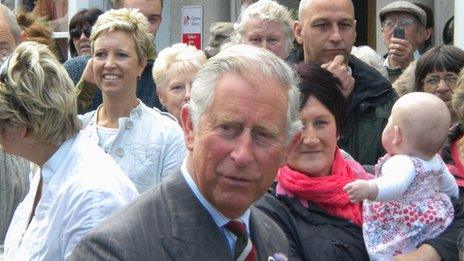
[14, 183]
[237, 126]
[326, 30]
[408, 20]
[266, 24]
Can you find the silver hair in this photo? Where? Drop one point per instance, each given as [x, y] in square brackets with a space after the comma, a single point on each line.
[266, 10]
[10, 19]
[243, 60]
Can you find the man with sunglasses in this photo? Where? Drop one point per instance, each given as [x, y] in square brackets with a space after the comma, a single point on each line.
[90, 97]
[402, 26]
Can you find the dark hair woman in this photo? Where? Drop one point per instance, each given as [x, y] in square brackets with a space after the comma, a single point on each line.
[309, 202]
[80, 27]
[437, 73]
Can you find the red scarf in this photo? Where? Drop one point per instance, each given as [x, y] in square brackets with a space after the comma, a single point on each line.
[327, 192]
[458, 169]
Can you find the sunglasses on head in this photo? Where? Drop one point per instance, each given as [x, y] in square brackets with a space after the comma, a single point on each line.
[77, 32]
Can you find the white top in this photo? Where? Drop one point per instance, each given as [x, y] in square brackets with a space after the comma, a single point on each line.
[81, 186]
[398, 172]
[149, 145]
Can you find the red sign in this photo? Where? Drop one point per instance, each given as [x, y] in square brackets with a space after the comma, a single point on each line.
[192, 39]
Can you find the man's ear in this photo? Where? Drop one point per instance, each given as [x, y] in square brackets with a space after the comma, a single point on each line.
[292, 146]
[297, 29]
[187, 127]
[426, 34]
[398, 135]
[23, 36]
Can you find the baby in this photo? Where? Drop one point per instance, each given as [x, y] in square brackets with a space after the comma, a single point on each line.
[408, 201]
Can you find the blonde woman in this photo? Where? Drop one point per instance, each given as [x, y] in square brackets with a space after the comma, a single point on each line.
[147, 144]
[173, 73]
[76, 184]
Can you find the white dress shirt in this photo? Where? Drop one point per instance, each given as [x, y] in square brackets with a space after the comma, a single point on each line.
[81, 186]
[148, 147]
[217, 216]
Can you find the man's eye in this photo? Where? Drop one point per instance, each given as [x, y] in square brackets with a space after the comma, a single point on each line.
[345, 26]
[228, 129]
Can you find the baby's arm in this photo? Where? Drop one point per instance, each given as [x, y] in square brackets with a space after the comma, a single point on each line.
[448, 184]
[397, 173]
[360, 190]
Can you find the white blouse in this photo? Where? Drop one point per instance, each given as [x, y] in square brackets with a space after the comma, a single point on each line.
[81, 186]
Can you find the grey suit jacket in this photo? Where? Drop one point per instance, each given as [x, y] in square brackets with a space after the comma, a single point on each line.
[168, 223]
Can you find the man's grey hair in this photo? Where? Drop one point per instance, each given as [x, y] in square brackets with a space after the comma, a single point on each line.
[267, 11]
[253, 63]
[10, 19]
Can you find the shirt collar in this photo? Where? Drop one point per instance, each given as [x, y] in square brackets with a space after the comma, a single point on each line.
[217, 216]
[51, 166]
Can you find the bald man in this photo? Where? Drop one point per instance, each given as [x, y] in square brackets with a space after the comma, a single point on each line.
[327, 31]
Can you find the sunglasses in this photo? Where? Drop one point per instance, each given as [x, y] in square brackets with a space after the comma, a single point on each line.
[77, 32]
[13, 101]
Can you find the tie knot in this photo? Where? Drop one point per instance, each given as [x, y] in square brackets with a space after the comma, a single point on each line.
[236, 227]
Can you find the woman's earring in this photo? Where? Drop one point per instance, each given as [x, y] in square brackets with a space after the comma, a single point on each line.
[139, 77]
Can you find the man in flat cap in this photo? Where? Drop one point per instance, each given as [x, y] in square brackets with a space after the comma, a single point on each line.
[402, 48]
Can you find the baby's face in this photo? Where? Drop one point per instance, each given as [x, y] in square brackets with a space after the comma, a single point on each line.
[388, 136]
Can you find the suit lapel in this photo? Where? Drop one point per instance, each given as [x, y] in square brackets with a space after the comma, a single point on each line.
[194, 232]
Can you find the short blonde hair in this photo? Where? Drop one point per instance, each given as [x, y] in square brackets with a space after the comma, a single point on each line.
[458, 97]
[180, 56]
[36, 92]
[266, 10]
[127, 20]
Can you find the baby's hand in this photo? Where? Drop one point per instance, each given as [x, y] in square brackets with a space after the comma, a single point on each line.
[358, 190]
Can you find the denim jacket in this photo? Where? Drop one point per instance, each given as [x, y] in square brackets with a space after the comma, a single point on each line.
[148, 146]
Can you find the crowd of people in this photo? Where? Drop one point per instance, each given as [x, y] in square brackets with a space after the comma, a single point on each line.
[280, 141]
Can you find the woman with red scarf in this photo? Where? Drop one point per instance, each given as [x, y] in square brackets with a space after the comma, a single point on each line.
[308, 201]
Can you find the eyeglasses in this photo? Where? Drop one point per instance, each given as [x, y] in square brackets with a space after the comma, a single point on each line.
[4, 79]
[450, 79]
[78, 31]
[404, 22]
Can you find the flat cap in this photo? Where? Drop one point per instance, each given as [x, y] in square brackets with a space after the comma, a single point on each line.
[405, 7]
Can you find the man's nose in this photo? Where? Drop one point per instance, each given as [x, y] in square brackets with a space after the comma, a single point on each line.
[335, 35]
[242, 153]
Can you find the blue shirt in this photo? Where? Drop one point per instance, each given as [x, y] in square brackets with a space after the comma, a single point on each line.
[218, 218]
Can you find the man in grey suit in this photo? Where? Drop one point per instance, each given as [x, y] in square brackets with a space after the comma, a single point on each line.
[237, 127]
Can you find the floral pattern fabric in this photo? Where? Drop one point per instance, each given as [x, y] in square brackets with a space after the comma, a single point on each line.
[420, 213]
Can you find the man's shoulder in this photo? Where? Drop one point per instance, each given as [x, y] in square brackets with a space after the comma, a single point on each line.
[370, 84]
[136, 231]
[362, 72]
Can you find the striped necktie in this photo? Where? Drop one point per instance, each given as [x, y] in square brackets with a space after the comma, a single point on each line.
[244, 249]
